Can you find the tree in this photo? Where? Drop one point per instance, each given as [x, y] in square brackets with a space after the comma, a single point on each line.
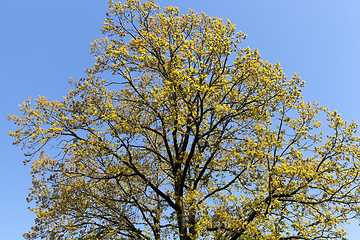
[193, 137]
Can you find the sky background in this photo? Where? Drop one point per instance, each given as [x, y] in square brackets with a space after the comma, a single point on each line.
[43, 43]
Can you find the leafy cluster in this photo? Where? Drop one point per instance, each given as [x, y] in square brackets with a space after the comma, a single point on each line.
[193, 138]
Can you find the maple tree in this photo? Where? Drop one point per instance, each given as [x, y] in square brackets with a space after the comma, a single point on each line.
[192, 138]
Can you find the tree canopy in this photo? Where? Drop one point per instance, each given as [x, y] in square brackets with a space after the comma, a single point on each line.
[189, 137]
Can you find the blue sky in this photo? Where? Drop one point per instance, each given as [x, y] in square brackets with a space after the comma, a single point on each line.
[43, 43]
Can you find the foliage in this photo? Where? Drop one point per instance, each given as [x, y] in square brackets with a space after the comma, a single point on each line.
[193, 137]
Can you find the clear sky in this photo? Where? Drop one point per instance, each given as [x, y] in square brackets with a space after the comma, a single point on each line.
[43, 43]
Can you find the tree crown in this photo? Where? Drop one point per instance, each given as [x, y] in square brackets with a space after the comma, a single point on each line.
[192, 137]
